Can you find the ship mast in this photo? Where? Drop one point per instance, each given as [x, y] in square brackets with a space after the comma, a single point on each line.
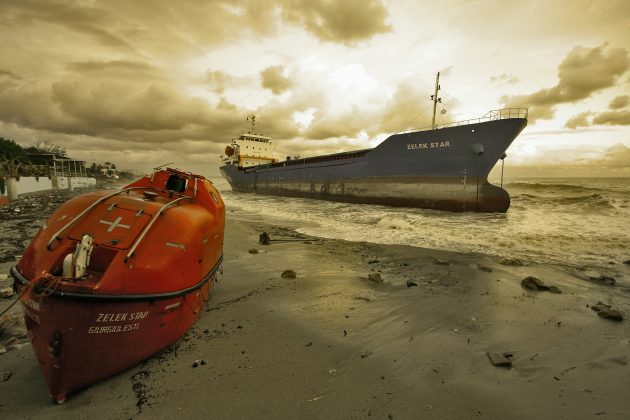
[435, 98]
[252, 117]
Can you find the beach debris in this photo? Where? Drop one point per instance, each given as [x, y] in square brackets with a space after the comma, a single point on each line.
[365, 354]
[516, 262]
[532, 283]
[309, 344]
[6, 375]
[140, 388]
[440, 262]
[484, 268]
[375, 277]
[253, 251]
[500, 359]
[264, 238]
[345, 333]
[288, 274]
[332, 372]
[411, 283]
[6, 292]
[198, 362]
[366, 295]
[606, 280]
[607, 311]
[374, 261]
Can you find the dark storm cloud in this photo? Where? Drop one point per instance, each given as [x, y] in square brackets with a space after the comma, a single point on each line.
[615, 116]
[4, 73]
[619, 102]
[619, 117]
[580, 120]
[345, 22]
[582, 73]
[88, 19]
[116, 100]
[272, 78]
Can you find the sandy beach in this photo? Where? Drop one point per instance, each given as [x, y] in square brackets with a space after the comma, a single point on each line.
[335, 342]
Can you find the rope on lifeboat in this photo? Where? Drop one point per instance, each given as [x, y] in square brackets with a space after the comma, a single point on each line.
[36, 281]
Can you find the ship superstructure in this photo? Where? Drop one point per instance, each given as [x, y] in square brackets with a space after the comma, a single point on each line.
[250, 148]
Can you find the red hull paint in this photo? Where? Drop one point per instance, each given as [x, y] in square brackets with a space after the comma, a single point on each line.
[78, 343]
[144, 286]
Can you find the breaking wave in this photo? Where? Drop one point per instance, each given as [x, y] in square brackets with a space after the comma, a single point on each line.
[584, 222]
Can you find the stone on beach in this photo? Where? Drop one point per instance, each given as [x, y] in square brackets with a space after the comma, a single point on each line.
[484, 268]
[606, 280]
[607, 311]
[532, 283]
[500, 359]
[440, 262]
[253, 251]
[515, 262]
[375, 277]
[6, 292]
[288, 274]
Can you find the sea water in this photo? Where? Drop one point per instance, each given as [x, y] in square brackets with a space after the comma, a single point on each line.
[578, 221]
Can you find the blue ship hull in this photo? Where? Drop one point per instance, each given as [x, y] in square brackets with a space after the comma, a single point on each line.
[443, 169]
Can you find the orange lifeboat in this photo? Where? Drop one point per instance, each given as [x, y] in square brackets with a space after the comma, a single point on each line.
[113, 278]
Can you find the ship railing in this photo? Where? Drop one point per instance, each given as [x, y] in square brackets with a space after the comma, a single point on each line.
[497, 114]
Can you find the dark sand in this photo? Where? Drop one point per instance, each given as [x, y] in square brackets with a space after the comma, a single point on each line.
[333, 344]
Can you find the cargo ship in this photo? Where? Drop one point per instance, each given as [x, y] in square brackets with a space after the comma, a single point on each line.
[442, 167]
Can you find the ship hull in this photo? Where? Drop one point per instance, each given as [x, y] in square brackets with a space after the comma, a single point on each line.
[443, 169]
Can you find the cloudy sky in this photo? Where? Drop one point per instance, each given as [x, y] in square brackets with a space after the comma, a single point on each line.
[142, 83]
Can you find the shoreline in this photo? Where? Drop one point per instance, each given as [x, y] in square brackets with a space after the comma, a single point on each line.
[331, 343]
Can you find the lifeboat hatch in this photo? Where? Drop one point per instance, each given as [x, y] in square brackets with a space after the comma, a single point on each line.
[111, 226]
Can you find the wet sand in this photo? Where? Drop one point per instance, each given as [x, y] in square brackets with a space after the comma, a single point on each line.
[331, 343]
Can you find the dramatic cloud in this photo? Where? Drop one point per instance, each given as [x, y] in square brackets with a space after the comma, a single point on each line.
[580, 120]
[345, 21]
[273, 78]
[616, 116]
[509, 79]
[582, 73]
[621, 117]
[619, 102]
[147, 82]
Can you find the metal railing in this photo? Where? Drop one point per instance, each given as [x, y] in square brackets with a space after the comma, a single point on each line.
[497, 114]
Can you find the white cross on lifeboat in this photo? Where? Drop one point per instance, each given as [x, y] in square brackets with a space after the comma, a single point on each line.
[113, 225]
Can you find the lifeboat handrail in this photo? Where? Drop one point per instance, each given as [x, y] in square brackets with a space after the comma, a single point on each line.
[85, 211]
[148, 226]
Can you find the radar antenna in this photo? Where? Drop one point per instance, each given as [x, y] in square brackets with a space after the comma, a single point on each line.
[252, 118]
[435, 98]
